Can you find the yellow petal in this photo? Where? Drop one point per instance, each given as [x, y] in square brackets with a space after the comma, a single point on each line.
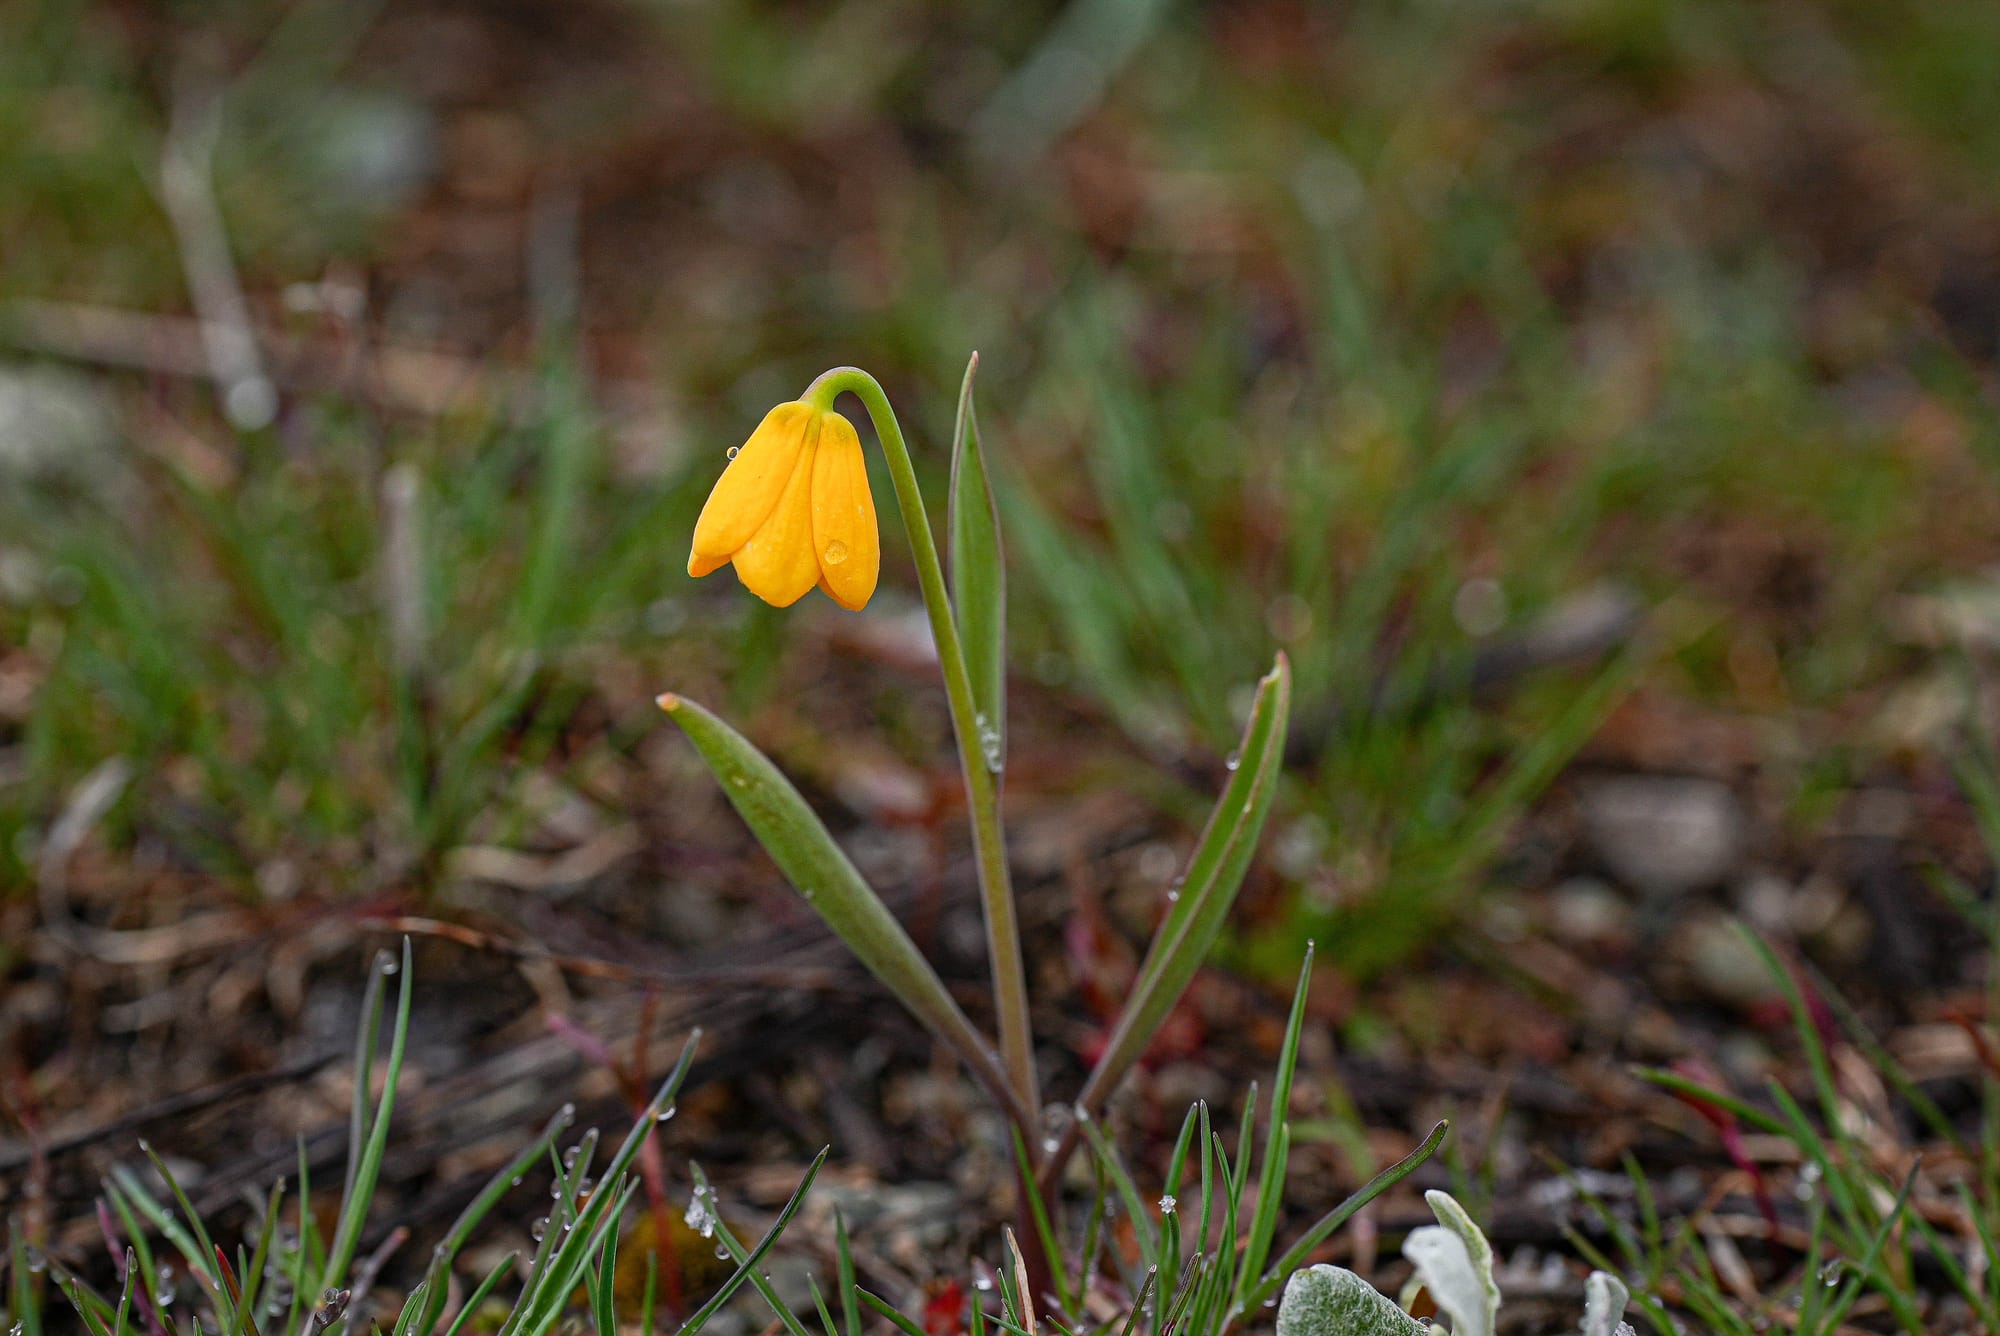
[750, 488]
[777, 563]
[846, 542]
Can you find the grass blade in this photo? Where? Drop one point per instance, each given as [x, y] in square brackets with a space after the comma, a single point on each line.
[489, 1196]
[362, 1178]
[478, 1296]
[748, 1266]
[882, 1306]
[850, 1305]
[1128, 1190]
[1296, 1255]
[1270, 1181]
[1038, 1211]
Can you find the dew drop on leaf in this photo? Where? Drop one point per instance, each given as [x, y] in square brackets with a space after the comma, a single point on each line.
[700, 1215]
[989, 742]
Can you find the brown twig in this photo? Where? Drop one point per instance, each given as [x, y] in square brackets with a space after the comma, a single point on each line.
[174, 1106]
[798, 978]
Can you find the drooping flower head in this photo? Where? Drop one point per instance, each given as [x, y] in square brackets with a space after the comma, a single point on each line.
[793, 510]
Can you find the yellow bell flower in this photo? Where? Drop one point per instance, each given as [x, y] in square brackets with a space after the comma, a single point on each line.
[792, 510]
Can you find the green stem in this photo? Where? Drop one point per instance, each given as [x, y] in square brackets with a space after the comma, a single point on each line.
[996, 891]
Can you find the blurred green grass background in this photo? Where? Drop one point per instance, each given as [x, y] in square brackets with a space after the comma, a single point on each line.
[1375, 330]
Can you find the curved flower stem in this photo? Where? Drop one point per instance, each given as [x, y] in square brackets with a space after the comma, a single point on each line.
[1003, 935]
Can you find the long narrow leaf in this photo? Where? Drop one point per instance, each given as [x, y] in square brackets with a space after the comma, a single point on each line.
[850, 1303]
[826, 1322]
[470, 1308]
[749, 1265]
[821, 872]
[508, 1175]
[1038, 1212]
[198, 1248]
[1128, 1190]
[883, 1306]
[361, 1182]
[365, 1041]
[254, 1270]
[603, 1303]
[114, 1191]
[554, 1274]
[978, 575]
[1271, 1181]
[1214, 875]
[740, 1255]
[82, 1300]
[1296, 1255]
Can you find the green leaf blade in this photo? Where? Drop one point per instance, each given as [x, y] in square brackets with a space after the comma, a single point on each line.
[819, 870]
[978, 576]
[1215, 874]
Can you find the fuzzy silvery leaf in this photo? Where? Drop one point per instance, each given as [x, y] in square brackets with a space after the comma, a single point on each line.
[1455, 1263]
[1445, 1269]
[1604, 1300]
[1333, 1301]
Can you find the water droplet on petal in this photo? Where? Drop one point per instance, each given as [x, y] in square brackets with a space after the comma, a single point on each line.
[836, 552]
[733, 449]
